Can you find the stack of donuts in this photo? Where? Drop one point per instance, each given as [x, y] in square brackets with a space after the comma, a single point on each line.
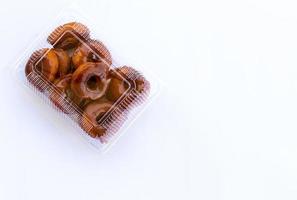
[79, 71]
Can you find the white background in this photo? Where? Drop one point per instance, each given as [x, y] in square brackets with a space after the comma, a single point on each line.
[224, 129]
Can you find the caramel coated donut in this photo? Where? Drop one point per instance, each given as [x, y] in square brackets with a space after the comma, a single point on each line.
[33, 60]
[127, 79]
[47, 66]
[49, 63]
[66, 36]
[62, 96]
[32, 70]
[59, 96]
[64, 61]
[90, 80]
[92, 115]
[92, 51]
[117, 86]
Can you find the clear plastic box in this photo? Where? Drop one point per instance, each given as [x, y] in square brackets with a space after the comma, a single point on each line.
[71, 67]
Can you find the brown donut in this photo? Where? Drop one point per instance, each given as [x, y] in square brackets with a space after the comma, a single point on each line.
[59, 95]
[49, 65]
[91, 51]
[33, 60]
[93, 115]
[62, 96]
[99, 48]
[117, 86]
[129, 81]
[66, 36]
[44, 62]
[64, 62]
[32, 70]
[90, 80]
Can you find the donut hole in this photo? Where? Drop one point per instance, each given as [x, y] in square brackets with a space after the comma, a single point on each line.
[93, 82]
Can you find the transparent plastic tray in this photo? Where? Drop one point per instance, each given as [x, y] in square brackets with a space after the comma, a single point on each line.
[71, 67]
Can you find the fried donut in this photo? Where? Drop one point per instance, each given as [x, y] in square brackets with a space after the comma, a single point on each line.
[62, 96]
[48, 63]
[47, 66]
[92, 51]
[117, 87]
[64, 61]
[34, 58]
[66, 36]
[93, 115]
[32, 70]
[90, 80]
[127, 79]
[59, 96]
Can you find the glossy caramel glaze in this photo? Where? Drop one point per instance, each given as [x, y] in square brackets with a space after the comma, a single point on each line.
[123, 80]
[49, 65]
[62, 96]
[59, 94]
[92, 51]
[90, 80]
[93, 115]
[68, 35]
[64, 62]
